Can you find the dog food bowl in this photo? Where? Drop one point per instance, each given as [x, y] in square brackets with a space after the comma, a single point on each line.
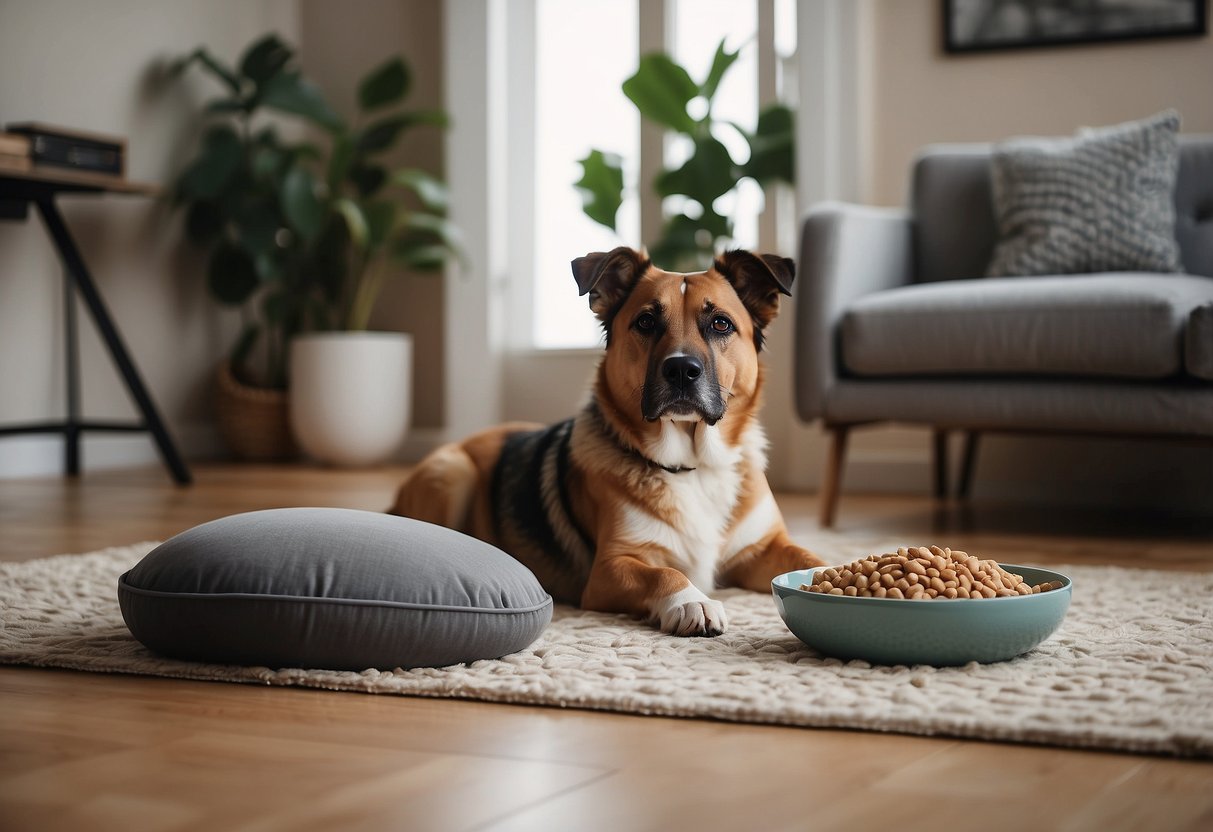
[938, 632]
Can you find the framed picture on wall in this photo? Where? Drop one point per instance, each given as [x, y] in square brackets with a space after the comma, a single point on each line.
[983, 25]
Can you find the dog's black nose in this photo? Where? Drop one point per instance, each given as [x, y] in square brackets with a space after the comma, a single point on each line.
[682, 370]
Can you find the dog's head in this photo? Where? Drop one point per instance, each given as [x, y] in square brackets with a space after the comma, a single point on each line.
[683, 347]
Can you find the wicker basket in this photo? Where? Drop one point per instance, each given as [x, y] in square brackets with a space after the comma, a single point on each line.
[254, 422]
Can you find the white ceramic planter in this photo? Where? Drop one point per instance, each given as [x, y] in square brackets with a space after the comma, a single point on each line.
[350, 395]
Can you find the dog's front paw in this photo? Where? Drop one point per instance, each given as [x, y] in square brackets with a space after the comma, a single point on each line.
[691, 613]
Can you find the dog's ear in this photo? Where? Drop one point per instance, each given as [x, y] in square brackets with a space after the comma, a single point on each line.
[758, 281]
[608, 277]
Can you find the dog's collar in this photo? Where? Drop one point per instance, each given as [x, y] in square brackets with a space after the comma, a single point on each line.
[673, 469]
[606, 428]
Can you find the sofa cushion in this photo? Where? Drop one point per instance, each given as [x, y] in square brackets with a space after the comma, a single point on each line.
[1123, 325]
[1198, 343]
[1100, 201]
[331, 588]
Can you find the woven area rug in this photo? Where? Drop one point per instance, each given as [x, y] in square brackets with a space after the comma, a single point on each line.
[1131, 668]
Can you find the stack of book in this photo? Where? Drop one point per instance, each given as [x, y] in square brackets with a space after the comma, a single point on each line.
[14, 152]
[33, 145]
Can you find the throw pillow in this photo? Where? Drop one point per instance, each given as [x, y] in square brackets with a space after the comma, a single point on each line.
[331, 588]
[1100, 201]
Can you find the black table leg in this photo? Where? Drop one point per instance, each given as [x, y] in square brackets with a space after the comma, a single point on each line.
[71, 371]
[76, 268]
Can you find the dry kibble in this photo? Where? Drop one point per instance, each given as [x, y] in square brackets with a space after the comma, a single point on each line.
[924, 573]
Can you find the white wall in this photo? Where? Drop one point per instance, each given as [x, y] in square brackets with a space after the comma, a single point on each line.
[97, 66]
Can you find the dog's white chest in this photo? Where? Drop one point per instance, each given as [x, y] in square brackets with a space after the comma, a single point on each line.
[697, 507]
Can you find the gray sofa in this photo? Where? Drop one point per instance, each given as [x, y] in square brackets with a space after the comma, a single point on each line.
[896, 324]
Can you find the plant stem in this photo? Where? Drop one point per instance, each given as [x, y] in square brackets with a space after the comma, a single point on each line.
[364, 296]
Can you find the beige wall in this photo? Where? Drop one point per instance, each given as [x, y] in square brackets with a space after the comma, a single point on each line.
[918, 94]
[97, 66]
[341, 42]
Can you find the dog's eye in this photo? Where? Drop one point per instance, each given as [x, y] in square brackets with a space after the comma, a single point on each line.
[647, 322]
[722, 325]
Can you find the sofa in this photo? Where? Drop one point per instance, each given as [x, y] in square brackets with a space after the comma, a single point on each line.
[896, 322]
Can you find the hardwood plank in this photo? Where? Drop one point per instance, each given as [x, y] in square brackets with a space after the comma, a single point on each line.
[96, 751]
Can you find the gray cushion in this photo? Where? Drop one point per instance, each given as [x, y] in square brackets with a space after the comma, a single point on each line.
[331, 588]
[1100, 201]
[1116, 325]
[1018, 404]
[1198, 343]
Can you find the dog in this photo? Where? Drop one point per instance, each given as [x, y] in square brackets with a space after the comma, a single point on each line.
[655, 493]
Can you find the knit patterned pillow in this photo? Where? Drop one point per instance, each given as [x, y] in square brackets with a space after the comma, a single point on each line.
[1100, 201]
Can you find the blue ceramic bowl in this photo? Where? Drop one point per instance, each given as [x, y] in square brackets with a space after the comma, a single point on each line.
[938, 632]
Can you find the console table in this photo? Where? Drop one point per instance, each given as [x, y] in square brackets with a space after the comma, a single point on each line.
[40, 187]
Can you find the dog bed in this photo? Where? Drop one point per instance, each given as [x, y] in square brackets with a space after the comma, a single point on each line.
[331, 588]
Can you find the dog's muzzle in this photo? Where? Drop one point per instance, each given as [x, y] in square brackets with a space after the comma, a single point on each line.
[680, 386]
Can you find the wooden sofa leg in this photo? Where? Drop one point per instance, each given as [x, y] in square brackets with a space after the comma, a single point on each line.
[967, 460]
[941, 463]
[831, 486]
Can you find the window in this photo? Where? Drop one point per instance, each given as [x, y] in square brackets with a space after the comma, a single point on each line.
[584, 50]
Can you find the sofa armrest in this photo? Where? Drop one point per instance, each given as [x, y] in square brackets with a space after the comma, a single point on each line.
[846, 251]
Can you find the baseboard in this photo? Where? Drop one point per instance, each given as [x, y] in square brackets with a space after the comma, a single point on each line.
[42, 455]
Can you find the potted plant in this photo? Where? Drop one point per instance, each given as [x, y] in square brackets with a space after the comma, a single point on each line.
[661, 89]
[301, 233]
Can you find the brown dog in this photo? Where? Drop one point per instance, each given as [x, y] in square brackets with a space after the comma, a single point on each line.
[656, 491]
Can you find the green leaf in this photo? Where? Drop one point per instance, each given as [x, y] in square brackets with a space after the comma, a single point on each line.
[269, 266]
[267, 162]
[721, 62]
[231, 275]
[301, 204]
[289, 92]
[265, 59]
[426, 241]
[415, 253]
[355, 220]
[257, 224]
[383, 134]
[220, 157]
[203, 222]
[706, 175]
[339, 161]
[380, 219]
[432, 192]
[601, 187]
[443, 229]
[385, 85]
[660, 89]
[687, 244]
[330, 261]
[216, 67]
[368, 179]
[772, 147]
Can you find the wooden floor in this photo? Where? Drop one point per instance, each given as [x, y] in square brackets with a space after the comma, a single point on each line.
[97, 752]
